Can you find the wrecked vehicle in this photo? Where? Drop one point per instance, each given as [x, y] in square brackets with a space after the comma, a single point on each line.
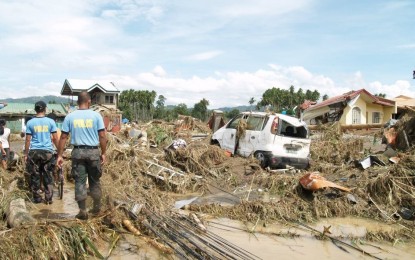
[276, 140]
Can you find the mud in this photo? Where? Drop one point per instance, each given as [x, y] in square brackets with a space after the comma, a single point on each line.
[66, 208]
[279, 242]
[257, 210]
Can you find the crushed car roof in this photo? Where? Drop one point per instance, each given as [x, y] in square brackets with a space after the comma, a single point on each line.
[289, 119]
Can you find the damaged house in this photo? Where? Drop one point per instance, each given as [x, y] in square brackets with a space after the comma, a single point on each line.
[357, 107]
[104, 97]
[404, 104]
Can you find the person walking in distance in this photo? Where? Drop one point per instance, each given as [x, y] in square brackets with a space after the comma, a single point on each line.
[5, 143]
[38, 154]
[87, 132]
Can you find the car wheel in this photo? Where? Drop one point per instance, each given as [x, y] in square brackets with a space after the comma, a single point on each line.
[260, 156]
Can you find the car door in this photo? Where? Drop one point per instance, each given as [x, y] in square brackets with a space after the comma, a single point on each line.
[248, 144]
[229, 135]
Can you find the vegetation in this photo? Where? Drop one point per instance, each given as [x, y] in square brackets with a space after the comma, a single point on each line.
[200, 110]
[277, 99]
[231, 114]
[381, 95]
[138, 104]
[160, 108]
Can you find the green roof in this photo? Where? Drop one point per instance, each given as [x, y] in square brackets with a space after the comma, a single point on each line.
[29, 109]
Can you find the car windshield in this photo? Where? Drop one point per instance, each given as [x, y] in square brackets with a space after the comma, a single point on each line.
[286, 129]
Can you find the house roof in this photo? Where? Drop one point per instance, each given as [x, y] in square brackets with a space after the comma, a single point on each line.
[74, 86]
[351, 95]
[402, 97]
[29, 109]
[403, 101]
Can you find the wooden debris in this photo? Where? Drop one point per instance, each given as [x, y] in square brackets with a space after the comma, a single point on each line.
[130, 227]
[198, 222]
[17, 213]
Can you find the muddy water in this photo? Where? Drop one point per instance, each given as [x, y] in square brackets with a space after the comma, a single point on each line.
[60, 209]
[267, 245]
[270, 242]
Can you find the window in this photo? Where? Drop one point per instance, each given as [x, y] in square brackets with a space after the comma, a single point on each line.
[376, 117]
[235, 122]
[356, 116]
[254, 123]
[109, 99]
[274, 126]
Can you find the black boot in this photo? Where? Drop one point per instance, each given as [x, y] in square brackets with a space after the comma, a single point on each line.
[83, 215]
[96, 209]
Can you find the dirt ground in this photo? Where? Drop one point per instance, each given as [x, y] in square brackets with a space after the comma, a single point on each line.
[152, 195]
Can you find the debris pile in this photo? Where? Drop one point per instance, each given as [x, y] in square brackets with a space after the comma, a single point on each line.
[151, 166]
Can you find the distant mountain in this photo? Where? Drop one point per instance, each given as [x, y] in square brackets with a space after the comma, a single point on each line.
[240, 108]
[46, 99]
[225, 109]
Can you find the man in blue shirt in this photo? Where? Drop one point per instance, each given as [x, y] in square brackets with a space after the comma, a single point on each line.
[39, 153]
[87, 131]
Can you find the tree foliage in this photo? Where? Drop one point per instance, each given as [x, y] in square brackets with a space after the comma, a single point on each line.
[251, 102]
[160, 111]
[231, 114]
[381, 95]
[137, 104]
[200, 110]
[180, 109]
[325, 97]
[282, 99]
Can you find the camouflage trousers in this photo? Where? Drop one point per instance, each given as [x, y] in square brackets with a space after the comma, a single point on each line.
[86, 165]
[40, 166]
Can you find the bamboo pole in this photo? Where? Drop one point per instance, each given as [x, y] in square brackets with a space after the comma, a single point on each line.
[348, 127]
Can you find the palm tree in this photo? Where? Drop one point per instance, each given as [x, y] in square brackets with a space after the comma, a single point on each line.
[251, 102]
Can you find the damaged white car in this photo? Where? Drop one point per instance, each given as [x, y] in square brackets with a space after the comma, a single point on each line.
[276, 140]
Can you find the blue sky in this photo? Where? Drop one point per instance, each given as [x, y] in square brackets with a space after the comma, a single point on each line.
[224, 51]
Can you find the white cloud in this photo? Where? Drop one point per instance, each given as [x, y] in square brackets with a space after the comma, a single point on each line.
[205, 55]
[399, 87]
[260, 7]
[407, 46]
[231, 88]
[224, 88]
[130, 10]
[159, 71]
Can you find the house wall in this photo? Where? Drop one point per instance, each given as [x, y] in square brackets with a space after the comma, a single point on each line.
[370, 109]
[99, 98]
[346, 119]
[388, 113]
[366, 110]
[110, 105]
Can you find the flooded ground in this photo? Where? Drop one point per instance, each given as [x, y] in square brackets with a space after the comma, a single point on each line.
[265, 239]
[261, 242]
[66, 208]
[279, 242]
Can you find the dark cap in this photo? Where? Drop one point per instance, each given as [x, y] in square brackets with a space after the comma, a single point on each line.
[40, 105]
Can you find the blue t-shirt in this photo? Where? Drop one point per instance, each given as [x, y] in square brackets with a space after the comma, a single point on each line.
[83, 125]
[40, 128]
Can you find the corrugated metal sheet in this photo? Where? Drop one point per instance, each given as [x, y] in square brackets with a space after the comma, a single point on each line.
[29, 109]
